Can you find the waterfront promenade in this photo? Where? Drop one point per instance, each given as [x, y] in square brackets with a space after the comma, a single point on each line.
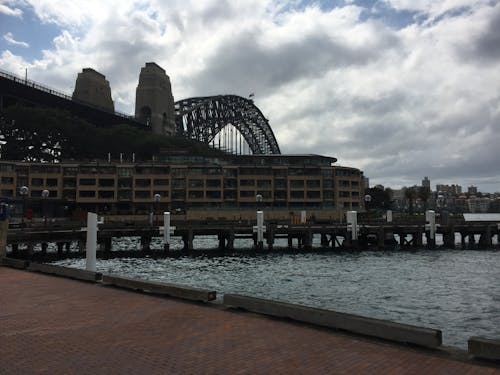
[53, 325]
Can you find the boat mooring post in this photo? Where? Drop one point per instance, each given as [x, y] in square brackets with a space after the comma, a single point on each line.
[167, 231]
[91, 246]
[352, 224]
[389, 216]
[430, 217]
[260, 230]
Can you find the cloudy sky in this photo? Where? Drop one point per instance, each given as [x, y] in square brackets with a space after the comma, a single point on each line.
[401, 89]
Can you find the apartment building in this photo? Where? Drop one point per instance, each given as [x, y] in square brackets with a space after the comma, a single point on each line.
[180, 183]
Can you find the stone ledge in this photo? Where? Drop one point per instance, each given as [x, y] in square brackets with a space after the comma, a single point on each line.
[172, 290]
[404, 333]
[73, 273]
[15, 263]
[481, 347]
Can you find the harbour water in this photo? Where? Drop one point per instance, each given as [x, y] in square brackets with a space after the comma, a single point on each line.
[457, 291]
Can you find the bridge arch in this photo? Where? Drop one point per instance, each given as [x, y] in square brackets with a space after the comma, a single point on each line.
[203, 118]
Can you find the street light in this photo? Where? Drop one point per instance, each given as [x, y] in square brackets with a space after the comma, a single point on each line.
[368, 199]
[45, 195]
[23, 191]
[157, 198]
[258, 199]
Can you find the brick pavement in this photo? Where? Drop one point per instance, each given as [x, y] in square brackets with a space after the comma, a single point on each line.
[51, 325]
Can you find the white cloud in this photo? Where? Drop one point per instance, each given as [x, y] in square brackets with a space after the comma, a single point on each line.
[401, 104]
[9, 11]
[10, 40]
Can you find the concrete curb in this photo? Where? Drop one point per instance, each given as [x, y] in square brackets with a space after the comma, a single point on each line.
[73, 273]
[481, 347]
[404, 333]
[172, 290]
[15, 263]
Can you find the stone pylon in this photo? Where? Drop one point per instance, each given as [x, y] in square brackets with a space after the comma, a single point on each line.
[154, 103]
[91, 87]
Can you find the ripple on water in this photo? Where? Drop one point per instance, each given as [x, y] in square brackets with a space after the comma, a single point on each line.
[455, 291]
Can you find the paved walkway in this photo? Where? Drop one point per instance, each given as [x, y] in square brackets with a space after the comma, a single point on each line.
[51, 325]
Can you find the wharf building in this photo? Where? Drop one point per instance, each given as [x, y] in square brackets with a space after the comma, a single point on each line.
[228, 187]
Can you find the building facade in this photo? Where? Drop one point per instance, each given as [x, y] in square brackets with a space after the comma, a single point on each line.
[179, 183]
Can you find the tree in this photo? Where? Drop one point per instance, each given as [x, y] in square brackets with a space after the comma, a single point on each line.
[51, 135]
[410, 194]
[380, 198]
[424, 194]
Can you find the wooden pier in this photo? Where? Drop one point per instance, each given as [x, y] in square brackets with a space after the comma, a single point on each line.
[32, 242]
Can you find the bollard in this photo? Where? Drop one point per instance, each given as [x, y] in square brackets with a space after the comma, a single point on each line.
[91, 241]
[352, 224]
[166, 231]
[4, 229]
[260, 229]
[389, 216]
[430, 217]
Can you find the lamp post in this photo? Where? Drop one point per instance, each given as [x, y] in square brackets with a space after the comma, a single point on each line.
[45, 195]
[258, 199]
[368, 199]
[157, 198]
[23, 191]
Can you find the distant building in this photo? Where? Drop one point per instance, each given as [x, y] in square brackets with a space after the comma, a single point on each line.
[450, 190]
[426, 182]
[366, 183]
[478, 205]
[398, 199]
[472, 189]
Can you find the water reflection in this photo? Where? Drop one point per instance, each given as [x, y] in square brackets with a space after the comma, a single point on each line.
[455, 291]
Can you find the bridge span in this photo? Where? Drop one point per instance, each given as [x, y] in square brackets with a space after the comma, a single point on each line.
[228, 122]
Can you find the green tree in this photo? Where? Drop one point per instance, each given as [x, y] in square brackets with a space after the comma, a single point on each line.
[424, 193]
[410, 194]
[45, 134]
[380, 198]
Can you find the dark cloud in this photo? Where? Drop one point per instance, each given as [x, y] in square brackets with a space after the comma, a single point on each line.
[244, 64]
[483, 46]
[487, 45]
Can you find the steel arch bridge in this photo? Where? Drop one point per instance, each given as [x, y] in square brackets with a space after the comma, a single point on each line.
[203, 118]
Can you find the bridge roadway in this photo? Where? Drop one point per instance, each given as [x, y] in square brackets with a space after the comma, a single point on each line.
[52, 325]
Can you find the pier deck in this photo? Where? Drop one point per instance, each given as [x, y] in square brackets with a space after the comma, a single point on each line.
[32, 242]
[52, 325]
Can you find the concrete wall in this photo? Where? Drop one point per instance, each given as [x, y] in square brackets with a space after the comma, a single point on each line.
[383, 329]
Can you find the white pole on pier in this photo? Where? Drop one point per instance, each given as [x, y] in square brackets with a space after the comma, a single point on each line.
[91, 241]
[352, 224]
[166, 230]
[430, 217]
[260, 228]
[389, 216]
